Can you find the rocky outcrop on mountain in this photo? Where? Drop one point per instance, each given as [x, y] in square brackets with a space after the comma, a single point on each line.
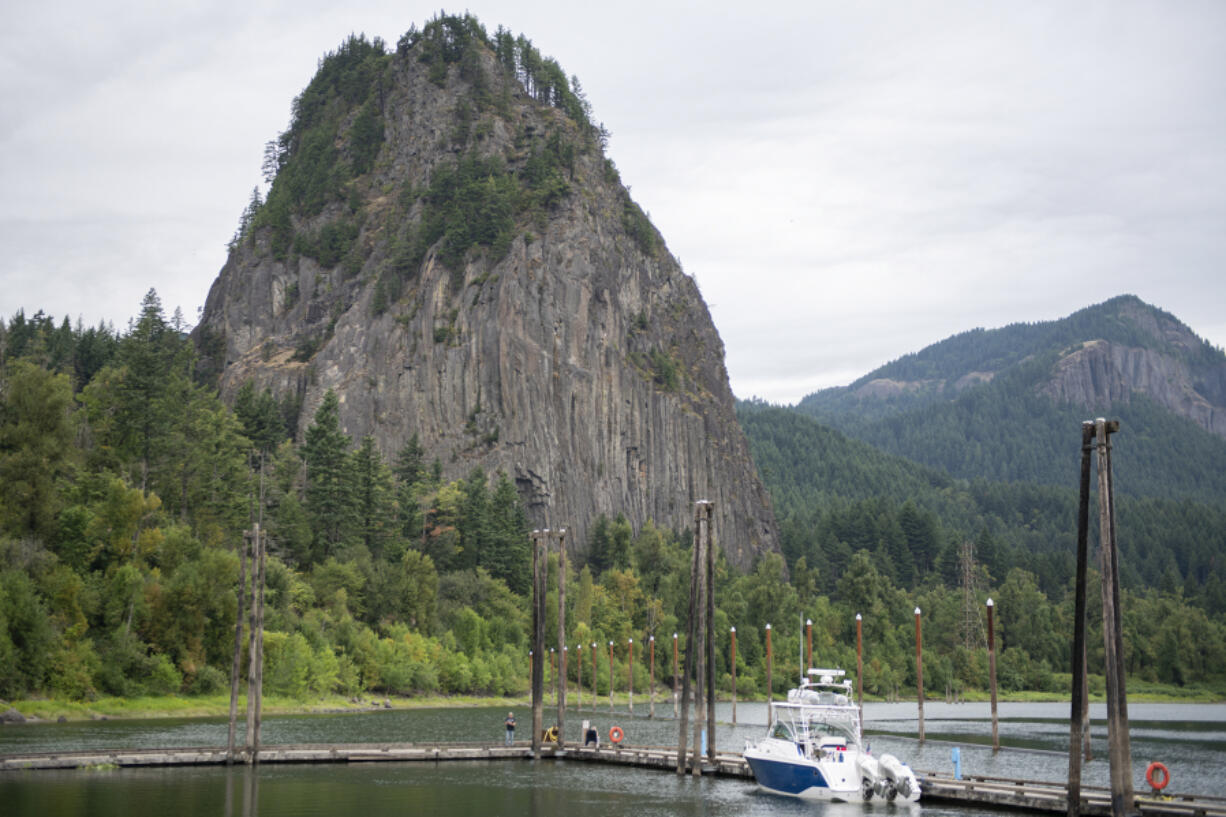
[485, 282]
[1101, 373]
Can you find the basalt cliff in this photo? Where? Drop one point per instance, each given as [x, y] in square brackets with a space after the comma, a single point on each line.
[446, 246]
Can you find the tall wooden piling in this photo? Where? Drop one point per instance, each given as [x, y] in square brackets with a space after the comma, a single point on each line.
[699, 646]
[919, 672]
[538, 638]
[709, 552]
[1123, 799]
[255, 643]
[261, 552]
[594, 676]
[804, 671]
[1078, 658]
[992, 674]
[579, 671]
[236, 665]
[691, 632]
[561, 694]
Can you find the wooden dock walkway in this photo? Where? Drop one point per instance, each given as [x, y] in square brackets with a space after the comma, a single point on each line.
[971, 791]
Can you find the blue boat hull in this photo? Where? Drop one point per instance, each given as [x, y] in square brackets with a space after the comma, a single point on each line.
[798, 779]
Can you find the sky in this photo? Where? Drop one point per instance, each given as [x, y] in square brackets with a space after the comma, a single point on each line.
[847, 182]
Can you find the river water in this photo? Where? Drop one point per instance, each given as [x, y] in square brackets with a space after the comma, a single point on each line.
[1190, 739]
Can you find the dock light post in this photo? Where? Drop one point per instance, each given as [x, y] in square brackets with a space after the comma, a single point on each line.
[734, 676]
[675, 670]
[651, 677]
[919, 671]
[860, 669]
[804, 672]
[770, 691]
[992, 673]
[630, 673]
[610, 676]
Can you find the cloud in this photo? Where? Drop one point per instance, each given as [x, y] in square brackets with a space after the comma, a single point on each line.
[847, 182]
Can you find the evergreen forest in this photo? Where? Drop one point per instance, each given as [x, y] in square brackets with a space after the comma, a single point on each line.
[126, 488]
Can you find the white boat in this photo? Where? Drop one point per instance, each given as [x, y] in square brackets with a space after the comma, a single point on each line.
[814, 750]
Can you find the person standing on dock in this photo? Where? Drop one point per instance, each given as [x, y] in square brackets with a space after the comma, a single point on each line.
[510, 728]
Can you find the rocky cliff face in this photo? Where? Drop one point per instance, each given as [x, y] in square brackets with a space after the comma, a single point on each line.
[570, 351]
[1101, 373]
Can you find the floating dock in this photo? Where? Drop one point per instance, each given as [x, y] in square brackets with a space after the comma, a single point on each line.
[970, 791]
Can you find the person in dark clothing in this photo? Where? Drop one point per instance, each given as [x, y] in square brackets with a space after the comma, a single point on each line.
[510, 728]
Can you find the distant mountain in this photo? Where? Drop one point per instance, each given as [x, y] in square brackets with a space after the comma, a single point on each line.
[977, 439]
[1006, 404]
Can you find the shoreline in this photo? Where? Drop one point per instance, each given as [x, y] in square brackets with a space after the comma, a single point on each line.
[48, 710]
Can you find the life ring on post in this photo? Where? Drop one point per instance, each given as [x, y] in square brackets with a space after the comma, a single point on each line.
[1157, 776]
[616, 734]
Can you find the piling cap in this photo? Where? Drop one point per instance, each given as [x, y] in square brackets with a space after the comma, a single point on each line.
[989, 602]
[917, 611]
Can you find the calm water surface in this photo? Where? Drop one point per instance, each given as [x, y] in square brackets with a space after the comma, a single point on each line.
[1189, 739]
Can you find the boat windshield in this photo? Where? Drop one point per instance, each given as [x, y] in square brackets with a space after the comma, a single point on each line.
[821, 728]
[782, 731]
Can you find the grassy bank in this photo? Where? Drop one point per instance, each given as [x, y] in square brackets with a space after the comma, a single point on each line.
[180, 706]
[210, 706]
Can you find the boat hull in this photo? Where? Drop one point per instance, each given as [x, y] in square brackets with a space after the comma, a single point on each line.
[805, 778]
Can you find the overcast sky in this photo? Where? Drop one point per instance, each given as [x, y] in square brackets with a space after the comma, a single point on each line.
[847, 181]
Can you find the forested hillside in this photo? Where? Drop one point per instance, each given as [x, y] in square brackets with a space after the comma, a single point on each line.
[967, 445]
[126, 488]
[980, 404]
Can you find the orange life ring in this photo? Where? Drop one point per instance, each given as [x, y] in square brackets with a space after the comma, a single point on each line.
[616, 734]
[1163, 773]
